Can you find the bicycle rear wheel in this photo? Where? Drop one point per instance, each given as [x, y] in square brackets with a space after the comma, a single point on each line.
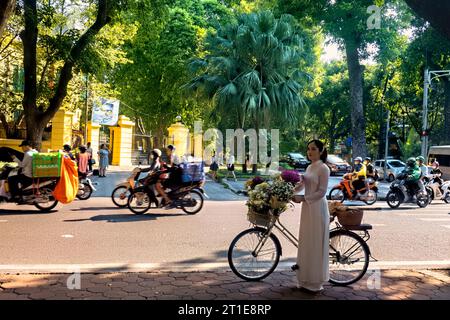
[349, 257]
[248, 264]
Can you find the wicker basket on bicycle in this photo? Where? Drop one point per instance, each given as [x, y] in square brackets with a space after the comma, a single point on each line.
[345, 215]
[260, 218]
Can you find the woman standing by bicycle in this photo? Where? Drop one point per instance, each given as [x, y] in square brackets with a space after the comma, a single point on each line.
[313, 249]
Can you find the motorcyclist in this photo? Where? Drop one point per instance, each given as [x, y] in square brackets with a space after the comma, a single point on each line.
[371, 171]
[413, 174]
[423, 172]
[67, 150]
[359, 175]
[173, 177]
[156, 162]
[25, 176]
[436, 173]
[372, 174]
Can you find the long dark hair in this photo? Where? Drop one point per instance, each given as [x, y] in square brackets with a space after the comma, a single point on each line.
[320, 145]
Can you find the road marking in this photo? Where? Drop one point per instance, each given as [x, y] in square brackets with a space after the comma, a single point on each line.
[190, 267]
[435, 219]
[67, 236]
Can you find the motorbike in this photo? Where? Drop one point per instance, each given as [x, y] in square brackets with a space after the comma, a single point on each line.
[85, 187]
[38, 194]
[436, 190]
[122, 191]
[344, 191]
[398, 193]
[188, 196]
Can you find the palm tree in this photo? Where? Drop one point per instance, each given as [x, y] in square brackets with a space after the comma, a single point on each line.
[252, 70]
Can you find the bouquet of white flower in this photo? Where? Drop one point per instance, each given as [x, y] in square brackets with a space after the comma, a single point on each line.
[274, 195]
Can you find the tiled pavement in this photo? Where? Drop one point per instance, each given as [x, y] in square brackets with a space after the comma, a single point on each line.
[393, 285]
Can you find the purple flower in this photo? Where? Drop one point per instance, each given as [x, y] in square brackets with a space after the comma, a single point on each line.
[291, 176]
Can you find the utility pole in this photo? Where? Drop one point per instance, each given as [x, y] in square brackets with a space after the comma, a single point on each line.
[429, 76]
[426, 85]
[86, 109]
[386, 147]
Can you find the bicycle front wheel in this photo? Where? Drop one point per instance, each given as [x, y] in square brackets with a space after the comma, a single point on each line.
[253, 255]
[349, 257]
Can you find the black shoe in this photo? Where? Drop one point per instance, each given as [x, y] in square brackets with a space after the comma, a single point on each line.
[295, 267]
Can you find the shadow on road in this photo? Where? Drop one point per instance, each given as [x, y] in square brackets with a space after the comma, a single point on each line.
[97, 208]
[118, 218]
[10, 212]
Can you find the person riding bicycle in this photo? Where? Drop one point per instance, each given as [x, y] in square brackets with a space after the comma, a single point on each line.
[413, 174]
[359, 175]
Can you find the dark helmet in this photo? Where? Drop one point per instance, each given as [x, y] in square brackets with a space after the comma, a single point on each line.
[67, 148]
[171, 147]
[411, 162]
[420, 158]
[368, 159]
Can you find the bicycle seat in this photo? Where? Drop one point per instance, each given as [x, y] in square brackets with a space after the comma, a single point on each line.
[361, 227]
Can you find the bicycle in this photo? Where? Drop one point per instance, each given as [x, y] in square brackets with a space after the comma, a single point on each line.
[254, 253]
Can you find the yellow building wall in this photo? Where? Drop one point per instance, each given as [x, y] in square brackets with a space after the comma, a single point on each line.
[14, 144]
[122, 142]
[61, 129]
[93, 136]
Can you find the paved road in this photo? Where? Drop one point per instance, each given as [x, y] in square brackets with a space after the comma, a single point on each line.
[94, 233]
[383, 187]
[105, 186]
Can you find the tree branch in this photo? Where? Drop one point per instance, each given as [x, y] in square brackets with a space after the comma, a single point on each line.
[6, 9]
[74, 55]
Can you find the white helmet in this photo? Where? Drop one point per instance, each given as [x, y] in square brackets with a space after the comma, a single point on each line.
[358, 159]
[158, 152]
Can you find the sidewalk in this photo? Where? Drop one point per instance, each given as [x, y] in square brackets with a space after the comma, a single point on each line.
[392, 285]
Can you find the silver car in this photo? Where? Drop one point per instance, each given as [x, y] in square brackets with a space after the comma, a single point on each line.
[394, 168]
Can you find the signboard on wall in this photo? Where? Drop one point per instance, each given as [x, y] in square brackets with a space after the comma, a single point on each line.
[105, 112]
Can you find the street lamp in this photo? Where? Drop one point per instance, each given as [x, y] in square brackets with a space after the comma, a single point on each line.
[429, 76]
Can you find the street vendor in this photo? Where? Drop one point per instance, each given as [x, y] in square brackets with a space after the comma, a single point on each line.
[25, 176]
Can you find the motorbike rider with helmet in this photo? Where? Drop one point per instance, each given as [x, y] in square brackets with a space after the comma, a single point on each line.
[413, 174]
[359, 175]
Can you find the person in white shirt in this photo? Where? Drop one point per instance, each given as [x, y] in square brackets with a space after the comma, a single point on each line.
[424, 172]
[230, 166]
[25, 177]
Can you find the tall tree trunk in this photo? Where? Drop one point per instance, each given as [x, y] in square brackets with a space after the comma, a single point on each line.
[331, 132]
[36, 119]
[29, 38]
[383, 124]
[446, 133]
[6, 9]
[382, 134]
[355, 72]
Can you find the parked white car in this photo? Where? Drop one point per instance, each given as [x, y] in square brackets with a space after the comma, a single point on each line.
[394, 168]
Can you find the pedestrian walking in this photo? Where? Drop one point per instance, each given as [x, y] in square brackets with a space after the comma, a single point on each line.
[103, 161]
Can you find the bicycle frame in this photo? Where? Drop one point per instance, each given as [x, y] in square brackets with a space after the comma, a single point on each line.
[276, 223]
